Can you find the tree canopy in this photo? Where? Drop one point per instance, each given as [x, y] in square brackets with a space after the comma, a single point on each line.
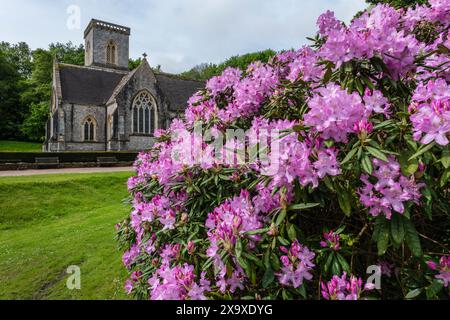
[205, 71]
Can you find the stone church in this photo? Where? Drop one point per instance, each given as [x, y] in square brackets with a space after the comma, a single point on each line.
[103, 106]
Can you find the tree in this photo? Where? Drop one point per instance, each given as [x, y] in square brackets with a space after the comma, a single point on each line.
[205, 71]
[38, 87]
[134, 63]
[398, 3]
[11, 110]
[19, 56]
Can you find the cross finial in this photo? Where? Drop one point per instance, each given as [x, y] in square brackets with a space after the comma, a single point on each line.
[144, 55]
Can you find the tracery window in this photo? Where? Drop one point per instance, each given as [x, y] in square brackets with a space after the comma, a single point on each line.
[144, 113]
[111, 53]
[89, 129]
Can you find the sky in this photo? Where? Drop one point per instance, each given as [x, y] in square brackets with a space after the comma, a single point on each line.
[176, 34]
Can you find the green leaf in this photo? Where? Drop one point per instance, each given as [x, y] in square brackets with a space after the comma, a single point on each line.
[327, 265]
[377, 153]
[412, 238]
[408, 167]
[238, 248]
[383, 236]
[327, 75]
[258, 231]
[444, 178]
[433, 289]
[302, 291]
[243, 264]
[336, 267]
[302, 206]
[344, 202]
[344, 264]
[445, 160]
[422, 150]
[283, 241]
[397, 229]
[292, 233]
[413, 293]
[268, 277]
[366, 164]
[349, 156]
[281, 216]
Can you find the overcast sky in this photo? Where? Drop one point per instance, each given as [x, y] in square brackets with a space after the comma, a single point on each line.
[177, 34]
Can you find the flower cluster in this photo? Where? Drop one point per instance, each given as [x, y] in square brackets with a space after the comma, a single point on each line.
[178, 283]
[331, 240]
[339, 288]
[334, 112]
[431, 112]
[374, 33]
[297, 265]
[390, 191]
[206, 225]
[290, 159]
[443, 268]
[230, 221]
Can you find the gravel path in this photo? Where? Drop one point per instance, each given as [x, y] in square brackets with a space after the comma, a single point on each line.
[18, 173]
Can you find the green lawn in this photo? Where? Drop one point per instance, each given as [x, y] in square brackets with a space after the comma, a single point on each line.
[50, 222]
[18, 146]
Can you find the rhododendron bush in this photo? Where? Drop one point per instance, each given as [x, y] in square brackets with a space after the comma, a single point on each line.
[339, 160]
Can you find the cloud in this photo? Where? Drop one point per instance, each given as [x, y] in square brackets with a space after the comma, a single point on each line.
[178, 34]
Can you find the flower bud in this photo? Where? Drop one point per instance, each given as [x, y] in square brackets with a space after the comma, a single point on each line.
[191, 247]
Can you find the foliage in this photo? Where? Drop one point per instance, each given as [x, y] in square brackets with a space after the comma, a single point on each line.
[356, 127]
[11, 109]
[398, 3]
[205, 71]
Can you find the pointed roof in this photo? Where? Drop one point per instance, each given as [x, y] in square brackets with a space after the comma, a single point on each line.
[99, 86]
[87, 85]
[176, 89]
[125, 80]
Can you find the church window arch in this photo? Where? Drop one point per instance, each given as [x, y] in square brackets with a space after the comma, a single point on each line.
[144, 113]
[89, 129]
[111, 52]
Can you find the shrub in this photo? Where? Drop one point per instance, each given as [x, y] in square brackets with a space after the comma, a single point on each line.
[344, 165]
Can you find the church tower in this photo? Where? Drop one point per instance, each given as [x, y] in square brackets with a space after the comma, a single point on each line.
[106, 45]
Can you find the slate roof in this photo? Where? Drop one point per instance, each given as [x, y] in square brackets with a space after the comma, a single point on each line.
[84, 85]
[177, 90]
[98, 86]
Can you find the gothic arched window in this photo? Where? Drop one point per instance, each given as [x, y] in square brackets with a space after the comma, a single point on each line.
[145, 114]
[89, 129]
[111, 53]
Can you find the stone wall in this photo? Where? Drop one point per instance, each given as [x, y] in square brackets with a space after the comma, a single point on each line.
[143, 79]
[98, 39]
[76, 115]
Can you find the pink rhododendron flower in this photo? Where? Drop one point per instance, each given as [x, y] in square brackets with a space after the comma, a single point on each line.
[228, 78]
[443, 268]
[130, 256]
[331, 241]
[432, 122]
[390, 191]
[297, 264]
[178, 283]
[339, 288]
[334, 112]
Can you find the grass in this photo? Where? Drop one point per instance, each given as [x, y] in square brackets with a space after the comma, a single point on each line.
[48, 223]
[19, 146]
